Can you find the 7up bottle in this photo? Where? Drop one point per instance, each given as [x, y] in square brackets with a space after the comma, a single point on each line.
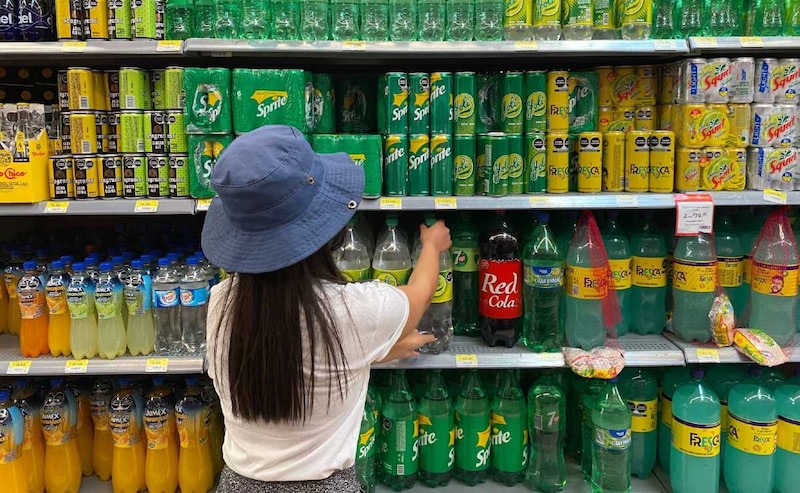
[473, 431]
[365, 450]
[438, 318]
[400, 448]
[509, 431]
[436, 433]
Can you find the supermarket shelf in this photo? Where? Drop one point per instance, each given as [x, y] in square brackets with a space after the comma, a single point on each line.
[125, 365]
[744, 45]
[468, 352]
[118, 207]
[695, 352]
[89, 50]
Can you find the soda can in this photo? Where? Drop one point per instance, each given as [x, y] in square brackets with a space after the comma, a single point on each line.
[395, 152]
[177, 142]
[536, 101]
[626, 90]
[111, 176]
[112, 134]
[687, 169]
[86, 177]
[480, 160]
[737, 157]
[63, 91]
[558, 101]
[765, 70]
[419, 165]
[605, 115]
[557, 158]
[662, 161]
[625, 113]
[131, 132]
[666, 85]
[324, 109]
[101, 129]
[441, 102]
[396, 102]
[112, 78]
[134, 176]
[605, 85]
[773, 125]
[665, 120]
[464, 105]
[772, 168]
[143, 18]
[648, 85]
[178, 175]
[516, 164]
[65, 132]
[134, 89]
[489, 103]
[120, 21]
[61, 178]
[637, 161]
[743, 85]
[95, 19]
[613, 161]
[80, 85]
[69, 19]
[495, 152]
[441, 152]
[464, 163]
[740, 118]
[786, 81]
[590, 162]
[83, 133]
[511, 116]
[645, 119]
[157, 89]
[716, 79]
[535, 163]
[100, 87]
[157, 175]
[420, 105]
[173, 89]
[155, 132]
[688, 86]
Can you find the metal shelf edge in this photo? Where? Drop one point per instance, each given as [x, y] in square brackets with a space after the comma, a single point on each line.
[100, 208]
[90, 48]
[743, 44]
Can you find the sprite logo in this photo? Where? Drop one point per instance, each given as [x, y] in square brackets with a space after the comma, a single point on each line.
[512, 106]
[366, 441]
[359, 159]
[465, 105]
[464, 167]
[399, 106]
[394, 151]
[441, 152]
[420, 152]
[354, 105]
[421, 105]
[536, 105]
[269, 101]
[207, 101]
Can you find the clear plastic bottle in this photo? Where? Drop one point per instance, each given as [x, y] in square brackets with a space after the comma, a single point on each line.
[375, 20]
[403, 20]
[518, 21]
[691, 14]
[694, 281]
[438, 318]
[121, 270]
[787, 457]
[721, 378]
[489, 15]
[391, 262]
[315, 20]
[138, 292]
[194, 307]
[640, 390]
[611, 450]
[577, 19]
[286, 19]
[400, 443]
[166, 309]
[636, 19]
[59, 320]
[33, 310]
[229, 19]
[724, 17]
[11, 275]
[256, 19]
[672, 379]
[352, 258]
[547, 16]
[436, 425]
[664, 19]
[83, 324]
[509, 455]
[180, 19]
[366, 448]
[345, 17]
[730, 257]
[547, 416]
[648, 280]
[12, 429]
[792, 25]
[431, 20]
[112, 337]
[543, 273]
[473, 429]
[769, 16]
[584, 327]
[205, 18]
[460, 20]
[605, 19]
[619, 261]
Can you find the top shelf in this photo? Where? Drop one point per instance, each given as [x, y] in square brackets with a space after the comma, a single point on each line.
[744, 45]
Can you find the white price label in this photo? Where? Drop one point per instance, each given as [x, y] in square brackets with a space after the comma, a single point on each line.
[775, 196]
[156, 365]
[540, 202]
[74, 366]
[531, 45]
[664, 44]
[18, 367]
[466, 361]
[627, 201]
[694, 214]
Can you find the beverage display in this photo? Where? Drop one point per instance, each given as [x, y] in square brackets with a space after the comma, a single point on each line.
[611, 441]
[640, 390]
[472, 431]
[694, 280]
[543, 289]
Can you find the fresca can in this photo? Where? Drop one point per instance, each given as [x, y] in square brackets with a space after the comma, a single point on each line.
[558, 101]
[61, 178]
[86, 177]
[441, 102]
[512, 117]
[495, 151]
[178, 175]
[441, 152]
[626, 91]
[134, 176]
[396, 102]
[535, 171]
[464, 163]
[590, 162]
[120, 23]
[420, 104]
[645, 119]
[134, 89]
[111, 176]
[740, 118]
[557, 145]
[80, 87]
[605, 115]
[688, 88]
[637, 161]
[516, 163]
[613, 161]
[95, 19]
[131, 132]
[83, 132]
[155, 135]
[395, 152]
[662, 161]
[716, 78]
[666, 90]
[786, 81]
[687, 169]
[536, 101]
[177, 142]
[419, 165]
[157, 175]
[743, 85]
[464, 110]
[605, 85]
[764, 72]
[648, 85]
[69, 19]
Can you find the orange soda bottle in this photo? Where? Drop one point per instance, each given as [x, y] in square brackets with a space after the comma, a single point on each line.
[125, 419]
[161, 464]
[12, 430]
[11, 275]
[31, 298]
[103, 442]
[196, 470]
[28, 399]
[62, 462]
[85, 426]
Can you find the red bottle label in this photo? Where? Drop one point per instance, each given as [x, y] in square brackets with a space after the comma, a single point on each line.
[500, 288]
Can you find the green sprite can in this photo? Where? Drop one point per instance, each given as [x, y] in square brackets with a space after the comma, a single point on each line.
[204, 150]
[157, 175]
[155, 132]
[442, 164]
[119, 19]
[131, 132]
[157, 88]
[420, 107]
[441, 103]
[516, 152]
[143, 18]
[535, 171]
[324, 110]
[419, 165]
[178, 175]
[464, 103]
[536, 101]
[464, 163]
[395, 101]
[495, 180]
[134, 89]
[208, 100]
[395, 171]
[134, 176]
[173, 88]
[488, 103]
[511, 114]
[175, 132]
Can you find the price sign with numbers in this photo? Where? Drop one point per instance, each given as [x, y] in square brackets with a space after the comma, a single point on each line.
[391, 203]
[466, 361]
[445, 203]
[707, 355]
[76, 366]
[156, 365]
[59, 207]
[145, 206]
[694, 214]
[18, 368]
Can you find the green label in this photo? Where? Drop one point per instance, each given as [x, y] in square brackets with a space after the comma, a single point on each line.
[578, 12]
[356, 275]
[105, 300]
[444, 287]
[392, 277]
[400, 447]
[437, 453]
[612, 439]
[547, 13]
[78, 302]
[472, 442]
[465, 259]
[366, 441]
[509, 443]
[544, 277]
[604, 14]
[536, 105]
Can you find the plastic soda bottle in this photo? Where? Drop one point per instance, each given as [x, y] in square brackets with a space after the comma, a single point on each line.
[787, 456]
[611, 448]
[721, 378]
[436, 432]
[256, 19]
[33, 309]
[403, 20]
[400, 432]
[194, 292]
[489, 15]
[547, 404]
[161, 459]
[690, 17]
[518, 20]
[84, 429]
[792, 25]
[205, 18]
[664, 19]
[694, 281]
[578, 19]
[345, 17]
[12, 429]
[83, 324]
[438, 318]
[103, 441]
[29, 400]
[59, 319]
[605, 19]
[62, 462]
[648, 280]
[315, 24]
[465, 277]
[138, 292]
[3, 308]
[473, 431]
[195, 466]
[180, 19]
[125, 419]
[636, 19]
[730, 262]
[285, 19]
[11, 275]
[460, 20]
[547, 19]
[375, 20]
[672, 379]
[431, 19]
[166, 308]
[619, 262]
[391, 262]
[365, 450]
[543, 273]
[640, 390]
[352, 258]
[588, 403]
[769, 16]
[229, 19]
[112, 338]
[509, 457]
[724, 18]
[752, 437]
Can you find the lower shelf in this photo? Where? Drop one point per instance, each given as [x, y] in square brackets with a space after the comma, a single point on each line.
[696, 352]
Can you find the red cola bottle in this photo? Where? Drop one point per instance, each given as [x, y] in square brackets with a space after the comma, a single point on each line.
[500, 283]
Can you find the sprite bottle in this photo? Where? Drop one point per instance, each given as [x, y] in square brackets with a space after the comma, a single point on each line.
[465, 277]
[437, 432]
[509, 431]
[352, 258]
[547, 403]
[473, 431]
[640, 390]
[400, 447]
[365, 450]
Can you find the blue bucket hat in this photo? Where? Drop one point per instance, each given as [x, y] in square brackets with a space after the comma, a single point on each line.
[279, 201]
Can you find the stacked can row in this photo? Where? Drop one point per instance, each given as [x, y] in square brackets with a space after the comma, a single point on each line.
[104, 19]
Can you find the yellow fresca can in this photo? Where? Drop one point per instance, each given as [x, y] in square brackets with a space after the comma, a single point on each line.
[557, 148]
[648, 85]
[666, 85]
[645, 118]
[665, 117]
[590, 162]
[613, 161]
[605, 81]
[558, 101]
[637, 161]
[626, 87]
[605, 115]
[740, 118]
[662, 161]
[687, 169]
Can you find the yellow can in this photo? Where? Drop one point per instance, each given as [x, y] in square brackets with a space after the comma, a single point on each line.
[648, 85]
[738, 158]
[86, 177]
[626, 87]
[740, 118]
[68, 18]
[61, 177]
[83, 132]
[625, 113]
[558, 101]
[590, 162]
[605, 117]
[665, 117]
[684, 120]
[557, 148]
[96, 19]
[666, 92]
[687, 169]
[605, 82]
[714, 166]
[662, 161]
[100, 87]
[613, 161]
[637, 161]
[645, 119]
[80, 87]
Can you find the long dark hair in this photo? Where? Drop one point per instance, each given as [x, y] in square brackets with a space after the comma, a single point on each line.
[266, 353]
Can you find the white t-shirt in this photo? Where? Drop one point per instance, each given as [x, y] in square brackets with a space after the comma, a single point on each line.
[370, 318]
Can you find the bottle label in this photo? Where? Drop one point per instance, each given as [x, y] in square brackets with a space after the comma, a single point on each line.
[548, 13]
[122, 419]
[548, 422]
[99, 410]
[437, 438]
[587, 283]
[612, 439]
[400, 447]
[392, 277]
[604, 14]
[56, 427]
[500, 295]
[366, 441]
[165, 298]
[137, 294]
[789, 434]
[465, 259]
[472, 442]
[695, 277]
[752, 437]
[357, 275]
[31, 297]
[157, 426]
[78, 301]
[509, 443]
[666, 410]
[649, 272]
[775, 280]
[579, 13]
[747, 266]
[730, 271]
[620, 273]
[636, 13]
[695, 439]
[10, 281]
[444, 287]
[105, 301]
[543, 277]
[56, 296]
[194, 296]
[644, 415]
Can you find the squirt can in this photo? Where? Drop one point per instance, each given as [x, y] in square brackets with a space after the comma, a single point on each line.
[419, 165]
[536, 101]
[441, 102]
[516, 163]
[61, 177]
[420, 104]
[134, 175]
[395, 152]
[535, 171]
[111, 176]
[662, 161]
[464, 162]
[441, 164]
[464, 108]
[605, 85]
[648, 85]
[557, 146]
[613, 161]
[637, 161]
[120, 22]
[590, 162]
[396, 102]
[558, 101]
[86, 177]
[495, 152]
[765, 71]
[743, 85]
[786, 81]
[157, 175]
[511, 113]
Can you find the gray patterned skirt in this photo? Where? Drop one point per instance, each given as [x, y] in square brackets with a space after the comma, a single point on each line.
[339, 482]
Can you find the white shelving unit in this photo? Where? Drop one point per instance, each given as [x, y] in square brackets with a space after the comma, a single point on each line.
[114, 207]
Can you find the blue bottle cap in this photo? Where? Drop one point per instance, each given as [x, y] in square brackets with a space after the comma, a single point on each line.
[29, 265]
[4, 395]
[118, 259]
[78, 266]
[67, 259]
[163, 262]
[191, 261]
[698, 373]
[542, 217]
[58, 265]
[136, 264]
[106, 266]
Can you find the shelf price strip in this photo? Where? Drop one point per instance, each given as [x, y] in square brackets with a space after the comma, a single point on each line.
[145, 206]
[707, 355]
[156, 365]
[56, 207]
[391, 203]
[775, 196]
[18, 367]
[445, 203]
[466, 361]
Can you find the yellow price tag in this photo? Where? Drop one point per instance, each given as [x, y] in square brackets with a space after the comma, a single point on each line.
[18, 367]
[751, 42]
[391, 203]
[145, 206]
[707, 355]
[466, 361]
[56, 207]
[775, 196]
[76, 366]
[531, 45]
[156, 365]
[169, 45]
[73, 46]
[539, 201]
[354, 45]
[203, 204]
[445, 203]
[705, 42]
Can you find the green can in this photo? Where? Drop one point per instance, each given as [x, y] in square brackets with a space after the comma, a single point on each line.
[584, 95]
[511, 115]
[419, 165]
[480, 160]
[143, 18]
[441, 103]
[131, 132]
[364, 149]
[155, 132]
[119, 19]
[536, 101]
[324, 109]
[464, 105]
[442, 164]
[395, 102]
[157, 89]
[464, 164]
[489, 102]
[134, 176]
[395, 155]
[420, 111]
[134, 89]
[516, 163]
[157, 175]
[176, 132]
[173, 88]
[178, 175]
[535, 163]
[495, 180]
[355, 100]
[269, 97]
[204, 150]
[208, 97]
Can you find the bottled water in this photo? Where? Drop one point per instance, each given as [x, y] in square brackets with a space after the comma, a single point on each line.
[460, 20]
[547, 418]
[438, 318]
[286, 19]
[431, 20]
[543, 288]
[205, 20]
[611, 450]
[315, 20]
[403, 20]
[690, 18]
[578, 19]
[138, 300]
[391, 262]
[489, 15]
[694, 281]
[375, 20]
[212, 271]
[194, 307]
[112, 337]
[256, 19]
[166, 309]
[345, 16]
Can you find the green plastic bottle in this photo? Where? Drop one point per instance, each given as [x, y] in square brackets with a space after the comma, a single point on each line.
[465, 277]
[543, 288]
[787, 457]
[694, 281]
[437, 432]
[547, 404]
[509, 439]
[673, 378]
[365, 450]
[399, 429]
[730, 261]
[473, 431]
[588, 404]
[619, 261]
[375, 399]
[721, 379]
[648, 279]
[611, 437]
[640, 390]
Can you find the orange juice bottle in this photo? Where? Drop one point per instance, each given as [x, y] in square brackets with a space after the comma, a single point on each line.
[59, 320]
[161, 465]
[62, 461]
[216, 428]
[12, 431]
[11, 275]
[28, 399]
[3, 308]
[85, 427]
[31, 298]
[196, 470]
[125, 419]
[103, 442]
